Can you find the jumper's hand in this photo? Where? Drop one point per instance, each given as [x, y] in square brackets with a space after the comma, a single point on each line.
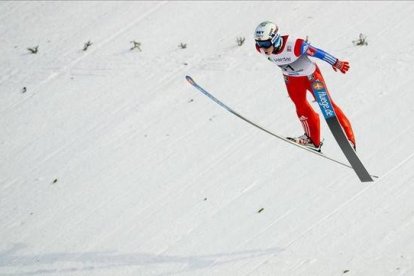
[343, 66]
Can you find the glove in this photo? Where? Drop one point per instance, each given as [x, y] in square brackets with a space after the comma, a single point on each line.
[343, 66]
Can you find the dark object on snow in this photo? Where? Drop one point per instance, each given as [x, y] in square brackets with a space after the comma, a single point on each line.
[33, 50]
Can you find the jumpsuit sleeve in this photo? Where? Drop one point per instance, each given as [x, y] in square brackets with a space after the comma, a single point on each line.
[312, 51]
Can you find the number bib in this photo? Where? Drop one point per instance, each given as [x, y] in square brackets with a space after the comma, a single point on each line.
[291, 64]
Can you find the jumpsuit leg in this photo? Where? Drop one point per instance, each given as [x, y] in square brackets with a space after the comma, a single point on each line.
[343, 120]
[297, 88]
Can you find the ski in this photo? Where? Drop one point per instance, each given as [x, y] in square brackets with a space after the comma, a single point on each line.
[328, 112]
[285, 139]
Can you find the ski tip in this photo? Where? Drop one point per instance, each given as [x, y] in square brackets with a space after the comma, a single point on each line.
[189, 79]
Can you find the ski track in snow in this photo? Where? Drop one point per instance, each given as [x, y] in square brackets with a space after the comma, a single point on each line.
[397, 166]
[125, 110]
[338, 209]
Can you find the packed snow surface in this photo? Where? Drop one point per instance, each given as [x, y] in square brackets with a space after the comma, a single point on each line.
[111, 163]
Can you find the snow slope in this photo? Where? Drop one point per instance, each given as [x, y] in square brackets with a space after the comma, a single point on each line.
[112, 164]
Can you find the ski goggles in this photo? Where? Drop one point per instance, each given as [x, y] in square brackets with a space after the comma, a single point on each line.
[264, 43]
[274, 41]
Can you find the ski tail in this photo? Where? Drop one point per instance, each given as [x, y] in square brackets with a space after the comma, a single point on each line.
[328, 112]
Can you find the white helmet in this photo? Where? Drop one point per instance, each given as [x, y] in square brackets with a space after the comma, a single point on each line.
[267, 34]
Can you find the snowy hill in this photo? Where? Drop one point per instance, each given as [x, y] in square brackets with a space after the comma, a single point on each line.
[112, 164]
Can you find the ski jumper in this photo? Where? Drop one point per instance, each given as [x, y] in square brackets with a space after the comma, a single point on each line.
[299, 73]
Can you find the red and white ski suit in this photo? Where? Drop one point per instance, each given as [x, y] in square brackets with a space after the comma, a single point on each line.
[299, 73]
